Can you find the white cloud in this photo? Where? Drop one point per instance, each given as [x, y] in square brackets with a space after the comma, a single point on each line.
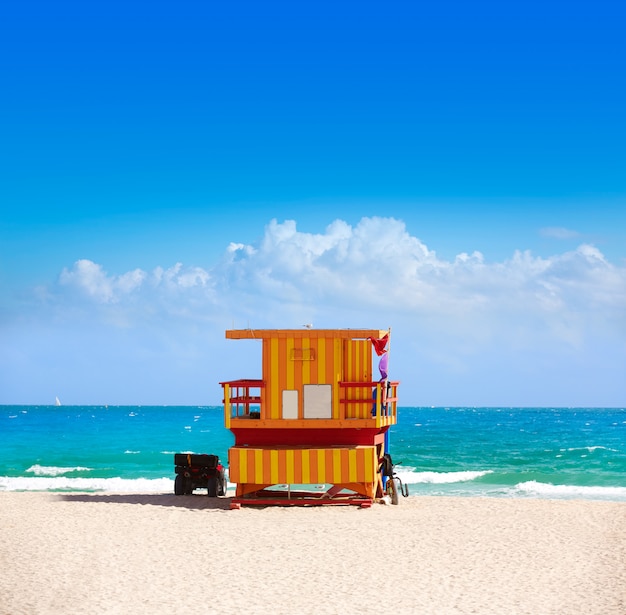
[130, 281]
[375, 265]
[93, 282]
[91, 279]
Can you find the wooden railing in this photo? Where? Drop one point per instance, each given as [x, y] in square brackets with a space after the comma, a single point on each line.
[241, 398]
[365, 400]
[370, 401]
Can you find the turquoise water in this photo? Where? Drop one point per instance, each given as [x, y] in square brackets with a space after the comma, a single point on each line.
[503, 452]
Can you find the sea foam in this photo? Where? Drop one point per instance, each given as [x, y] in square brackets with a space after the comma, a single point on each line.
[413, 478]
[63, 483]
[38, 470]
[571, 491]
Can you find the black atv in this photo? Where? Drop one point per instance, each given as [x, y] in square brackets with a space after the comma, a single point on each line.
[193, 471]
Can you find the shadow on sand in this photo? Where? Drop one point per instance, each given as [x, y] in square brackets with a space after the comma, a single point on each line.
[191, 502]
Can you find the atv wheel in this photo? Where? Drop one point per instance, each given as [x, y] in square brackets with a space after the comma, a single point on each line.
[212, 487]
[179, 485]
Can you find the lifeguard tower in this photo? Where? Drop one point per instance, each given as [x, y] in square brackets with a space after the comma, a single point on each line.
[314, 429]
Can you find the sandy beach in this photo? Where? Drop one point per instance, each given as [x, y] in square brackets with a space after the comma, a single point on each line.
[120, 553]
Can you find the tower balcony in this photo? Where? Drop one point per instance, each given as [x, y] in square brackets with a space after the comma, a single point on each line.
[355, 405]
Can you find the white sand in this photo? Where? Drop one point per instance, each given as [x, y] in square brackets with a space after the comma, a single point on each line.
[152, 554]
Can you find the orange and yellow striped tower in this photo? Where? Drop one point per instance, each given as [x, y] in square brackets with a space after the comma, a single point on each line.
[313, 429]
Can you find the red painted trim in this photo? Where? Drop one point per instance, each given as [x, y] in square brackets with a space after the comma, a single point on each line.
[357, 500]
[317, 438]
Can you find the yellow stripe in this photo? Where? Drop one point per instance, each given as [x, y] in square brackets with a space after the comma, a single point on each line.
[369, 463]
[243, 466]
[289, 476]
[227, 406]
[349, 363]
[274, 379]
[364, 455]
[291, 365]
[352, 473]
[321, 361]
[306, 467]
[258, 466]
[321, 466]
[274, 467]
[337, 466]
[306, 365]
[337, 407]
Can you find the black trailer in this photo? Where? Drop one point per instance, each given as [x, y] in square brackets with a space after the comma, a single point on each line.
[199, 471]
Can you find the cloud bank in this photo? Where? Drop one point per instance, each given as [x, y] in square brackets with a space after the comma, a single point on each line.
[374, 267]
[528, 330]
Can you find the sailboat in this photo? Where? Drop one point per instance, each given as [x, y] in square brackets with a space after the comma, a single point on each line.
[57, 402]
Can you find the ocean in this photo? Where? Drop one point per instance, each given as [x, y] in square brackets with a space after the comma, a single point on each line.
[495, 452]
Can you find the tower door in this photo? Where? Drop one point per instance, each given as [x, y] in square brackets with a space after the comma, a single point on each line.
[318, 401]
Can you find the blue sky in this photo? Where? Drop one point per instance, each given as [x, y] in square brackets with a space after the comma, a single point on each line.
[453, 170]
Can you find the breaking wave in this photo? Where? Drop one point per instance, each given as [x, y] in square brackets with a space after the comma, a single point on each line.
[570, 491]
[414, 478]
[38, 470]
[63, 483]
